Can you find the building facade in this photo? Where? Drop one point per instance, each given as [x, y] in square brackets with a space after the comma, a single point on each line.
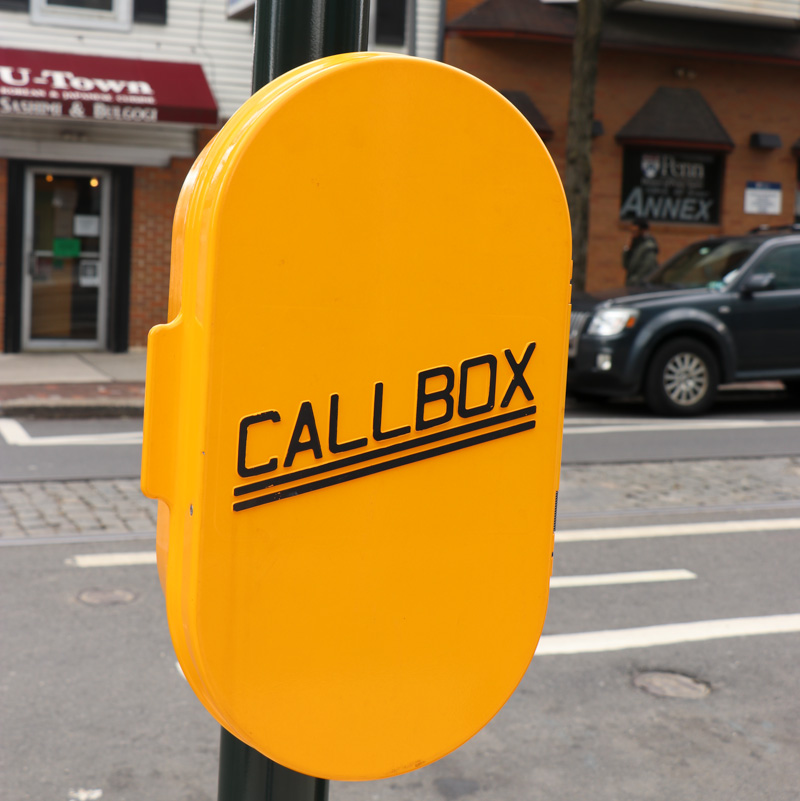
[104, 105]
[103, 108]
[697, 110]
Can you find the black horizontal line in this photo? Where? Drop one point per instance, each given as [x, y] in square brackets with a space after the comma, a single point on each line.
[380, 467]
[389, 450]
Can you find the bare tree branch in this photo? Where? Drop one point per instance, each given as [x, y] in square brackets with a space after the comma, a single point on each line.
[578, 178]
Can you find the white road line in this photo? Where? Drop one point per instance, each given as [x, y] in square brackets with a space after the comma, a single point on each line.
[14, 434]
[112, 559]
[85, 795]
[556, 582]
[634, 577]
[678, 530]
[671, 634]
[677, 425]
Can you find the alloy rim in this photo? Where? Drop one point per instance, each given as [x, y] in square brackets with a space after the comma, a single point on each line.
[685, 379]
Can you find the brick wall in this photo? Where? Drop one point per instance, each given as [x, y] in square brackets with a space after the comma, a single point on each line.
[155, 192]
[746, 97]
[3, 218]
[455, 8]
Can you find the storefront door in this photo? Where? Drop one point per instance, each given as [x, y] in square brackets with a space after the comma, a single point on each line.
[66, 252]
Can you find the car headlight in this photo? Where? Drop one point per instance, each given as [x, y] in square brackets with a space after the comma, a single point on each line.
[609, 322]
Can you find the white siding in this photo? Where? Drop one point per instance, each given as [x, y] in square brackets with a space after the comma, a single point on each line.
[429, 27]
[197, 31]
[98, 142]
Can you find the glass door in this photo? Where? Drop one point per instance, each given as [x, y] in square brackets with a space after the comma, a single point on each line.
[64, 287]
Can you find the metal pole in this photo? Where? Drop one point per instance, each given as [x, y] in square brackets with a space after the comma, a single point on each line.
[288, 33]
[247, 775]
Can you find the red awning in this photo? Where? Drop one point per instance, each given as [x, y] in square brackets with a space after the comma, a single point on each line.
[68, 86]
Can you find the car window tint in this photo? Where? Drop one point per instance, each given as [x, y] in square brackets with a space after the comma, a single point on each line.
[704, 263]
[784, 263]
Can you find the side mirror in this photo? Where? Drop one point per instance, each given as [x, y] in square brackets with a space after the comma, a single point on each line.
[759, 282]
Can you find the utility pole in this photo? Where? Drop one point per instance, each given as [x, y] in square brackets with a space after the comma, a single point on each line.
[288, 33]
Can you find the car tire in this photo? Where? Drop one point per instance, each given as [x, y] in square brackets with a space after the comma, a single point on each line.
[682, 378]
[793, 388]
[586, 397]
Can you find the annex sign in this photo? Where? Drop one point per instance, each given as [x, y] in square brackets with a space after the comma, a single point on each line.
[671, 185]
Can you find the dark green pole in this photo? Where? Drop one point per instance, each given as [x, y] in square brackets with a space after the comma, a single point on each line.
[247, 775]
[288, 33]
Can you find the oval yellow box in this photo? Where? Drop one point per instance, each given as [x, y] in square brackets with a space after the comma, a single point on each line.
[353, 418]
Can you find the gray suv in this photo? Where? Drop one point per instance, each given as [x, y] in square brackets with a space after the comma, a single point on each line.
[724, 309]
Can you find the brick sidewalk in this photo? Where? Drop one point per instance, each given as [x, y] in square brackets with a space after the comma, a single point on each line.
[33, 509]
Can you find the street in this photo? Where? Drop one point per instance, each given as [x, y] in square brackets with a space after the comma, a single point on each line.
[672, 574]
[595, 433]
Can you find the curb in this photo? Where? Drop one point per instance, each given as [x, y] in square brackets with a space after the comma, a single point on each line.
[73, 400]
[69, 408]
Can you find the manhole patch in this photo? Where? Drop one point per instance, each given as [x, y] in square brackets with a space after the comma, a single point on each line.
[96, 597]
[671, 685]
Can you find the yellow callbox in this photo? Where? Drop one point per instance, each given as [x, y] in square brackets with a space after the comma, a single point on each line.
[353, 418]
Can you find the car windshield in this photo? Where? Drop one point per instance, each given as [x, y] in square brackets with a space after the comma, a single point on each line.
[710, 263]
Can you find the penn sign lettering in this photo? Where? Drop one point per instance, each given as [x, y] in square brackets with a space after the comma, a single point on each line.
[671, 186]
[667, 209]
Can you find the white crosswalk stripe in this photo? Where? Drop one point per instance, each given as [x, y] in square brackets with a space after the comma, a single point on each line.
[588, 642]
[113, 559]
[678, 530]
[15, 434]
[610, 639]
[574, 426]
[634, 577]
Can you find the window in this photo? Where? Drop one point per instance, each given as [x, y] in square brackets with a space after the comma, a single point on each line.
[390, 22]
[100, 14]
[153, 11]
[704, 264]
[784, 263]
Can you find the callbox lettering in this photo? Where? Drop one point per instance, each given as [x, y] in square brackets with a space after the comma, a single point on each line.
[441, 397]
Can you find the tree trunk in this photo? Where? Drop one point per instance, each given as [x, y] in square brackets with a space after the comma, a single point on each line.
[578, 179]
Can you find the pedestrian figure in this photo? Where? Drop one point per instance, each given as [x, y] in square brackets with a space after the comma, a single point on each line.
[640, 256]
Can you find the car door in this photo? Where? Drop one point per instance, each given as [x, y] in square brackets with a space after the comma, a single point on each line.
[766, 323]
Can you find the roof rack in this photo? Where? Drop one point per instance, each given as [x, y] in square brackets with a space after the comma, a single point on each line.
[764, 228]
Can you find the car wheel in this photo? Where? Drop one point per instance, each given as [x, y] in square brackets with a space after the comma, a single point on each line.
[682, 378]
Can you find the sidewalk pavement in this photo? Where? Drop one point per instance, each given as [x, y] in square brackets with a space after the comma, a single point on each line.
[107, 384]
[112, 385]
[72, 384]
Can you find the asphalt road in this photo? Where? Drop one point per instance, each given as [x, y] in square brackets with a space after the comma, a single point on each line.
[741, 426]
[92, 700]
[682, 569]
